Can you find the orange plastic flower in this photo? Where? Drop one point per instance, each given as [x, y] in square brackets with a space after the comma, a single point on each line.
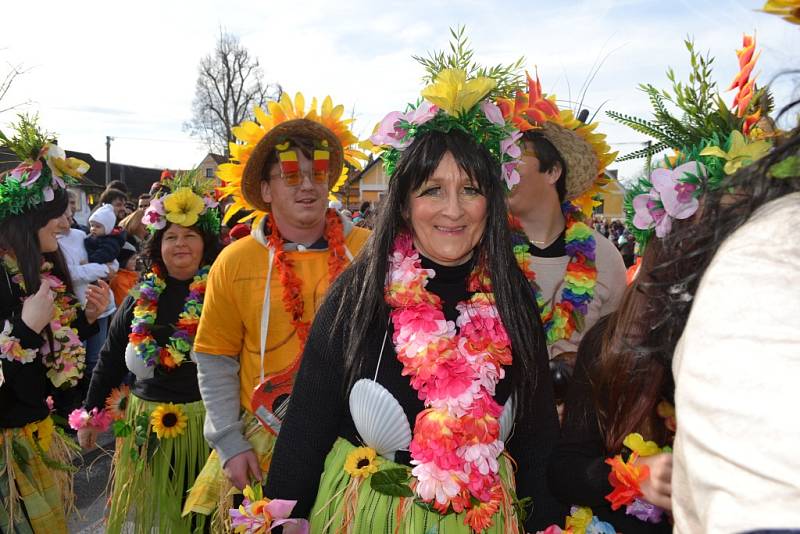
[625, 478]
[479, 517]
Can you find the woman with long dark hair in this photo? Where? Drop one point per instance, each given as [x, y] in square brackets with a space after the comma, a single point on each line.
[621, 419]
[426, 354]
[43, 325]
[162, 449]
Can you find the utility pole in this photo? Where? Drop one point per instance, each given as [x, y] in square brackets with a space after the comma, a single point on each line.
[108, 159]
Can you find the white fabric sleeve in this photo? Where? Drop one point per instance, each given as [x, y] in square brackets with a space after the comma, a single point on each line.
[88, 272]
[218, 377]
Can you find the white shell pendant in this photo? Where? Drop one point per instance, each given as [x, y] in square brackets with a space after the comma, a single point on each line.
[507, 419]
[379, 418]
[136, 365]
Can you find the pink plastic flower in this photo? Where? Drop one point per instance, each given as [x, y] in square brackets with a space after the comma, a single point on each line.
[154, 216]
[34, 170]
[424, 112]
[389, 133]
[492, 113]
[510, 146]
[436, 483]
[510, 174]
[671, 197]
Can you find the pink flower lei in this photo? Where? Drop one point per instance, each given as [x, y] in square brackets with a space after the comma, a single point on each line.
[456, 438]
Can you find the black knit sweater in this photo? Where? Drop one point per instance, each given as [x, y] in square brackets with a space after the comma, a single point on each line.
[26, 386]
[578, 473]
[319, 411]
[178, 385]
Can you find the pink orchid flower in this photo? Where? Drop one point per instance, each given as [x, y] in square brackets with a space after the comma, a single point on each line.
[670, 198]
[424, 112]
[389, 133]
[492, 113]
[34, 170]
[510, 174]
[510, 146]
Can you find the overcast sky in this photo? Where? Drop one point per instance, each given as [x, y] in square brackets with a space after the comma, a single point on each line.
[128, 69]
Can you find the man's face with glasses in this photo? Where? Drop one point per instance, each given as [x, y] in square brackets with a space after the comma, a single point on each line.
[298, 196]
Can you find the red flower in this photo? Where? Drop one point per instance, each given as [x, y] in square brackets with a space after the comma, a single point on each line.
[625, 478]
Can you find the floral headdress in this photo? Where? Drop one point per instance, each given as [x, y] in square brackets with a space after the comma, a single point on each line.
[187, 199]
[256, 140]
[586, 153]
[45, 167]
[459, 96]
[709, 141]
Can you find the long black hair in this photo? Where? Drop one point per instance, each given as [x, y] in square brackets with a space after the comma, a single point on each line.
[689, 248]
[363, 302]
[18, 234]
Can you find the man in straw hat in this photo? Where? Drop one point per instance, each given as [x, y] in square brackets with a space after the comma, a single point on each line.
[578, 274]
[264, 289]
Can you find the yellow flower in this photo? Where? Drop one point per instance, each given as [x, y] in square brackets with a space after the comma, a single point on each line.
[579, 520]
[788, 9]
[741, 152]
[168, 421]
[637, 444]
[41, 432]
[361, 462]
[183, 207]
[453, 93]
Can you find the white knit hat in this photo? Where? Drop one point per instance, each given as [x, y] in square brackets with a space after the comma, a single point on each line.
[105, 215]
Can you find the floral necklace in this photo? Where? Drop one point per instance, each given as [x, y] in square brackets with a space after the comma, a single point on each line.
[180, 342]
[563, 318]
[456, 438]
[292, 284]
[66, 359]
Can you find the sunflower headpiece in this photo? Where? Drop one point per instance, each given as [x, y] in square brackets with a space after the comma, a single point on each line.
[585, 152]
[708, 140]
[272, 132]
[459, 96]
[188, 199]
[44, 168]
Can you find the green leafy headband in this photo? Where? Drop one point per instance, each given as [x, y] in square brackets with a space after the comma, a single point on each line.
[44, 168]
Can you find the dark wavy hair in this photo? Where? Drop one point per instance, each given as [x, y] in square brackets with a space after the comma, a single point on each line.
[18, 234]
[363, 303]
[151, 251]
[642, 338]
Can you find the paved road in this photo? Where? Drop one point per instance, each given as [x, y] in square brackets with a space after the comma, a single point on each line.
[90, 486]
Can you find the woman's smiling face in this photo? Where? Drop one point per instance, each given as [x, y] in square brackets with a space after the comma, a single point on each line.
[447, 214]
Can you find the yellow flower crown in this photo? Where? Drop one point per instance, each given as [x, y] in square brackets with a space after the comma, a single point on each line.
[250, 133]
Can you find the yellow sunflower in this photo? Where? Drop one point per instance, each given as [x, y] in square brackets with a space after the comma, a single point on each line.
[168, 421]
[361, 462]
[249, 133]
[183, 207]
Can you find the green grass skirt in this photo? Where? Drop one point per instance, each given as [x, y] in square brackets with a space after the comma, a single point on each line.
[150, 492]
[349, 505]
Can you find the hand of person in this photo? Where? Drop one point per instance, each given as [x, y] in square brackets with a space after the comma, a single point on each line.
[38, 309]
[242, 468]
[657, 489]
[97, 299]
[87, 437]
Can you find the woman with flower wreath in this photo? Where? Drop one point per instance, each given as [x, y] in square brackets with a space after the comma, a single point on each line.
[615, 451]
[161, 447]
[424, 398]
[43, 325]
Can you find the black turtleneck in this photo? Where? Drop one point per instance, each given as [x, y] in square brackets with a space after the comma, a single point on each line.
[178, 385]
[319, 410]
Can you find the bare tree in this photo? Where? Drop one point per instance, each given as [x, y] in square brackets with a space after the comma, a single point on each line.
[229, 85]
[14, 71]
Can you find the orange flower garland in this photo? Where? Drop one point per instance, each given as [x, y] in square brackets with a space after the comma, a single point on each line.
[292, 284]
[626, 479]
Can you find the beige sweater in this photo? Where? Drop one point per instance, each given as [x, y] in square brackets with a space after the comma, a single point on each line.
[737, 371]
[608, 291]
